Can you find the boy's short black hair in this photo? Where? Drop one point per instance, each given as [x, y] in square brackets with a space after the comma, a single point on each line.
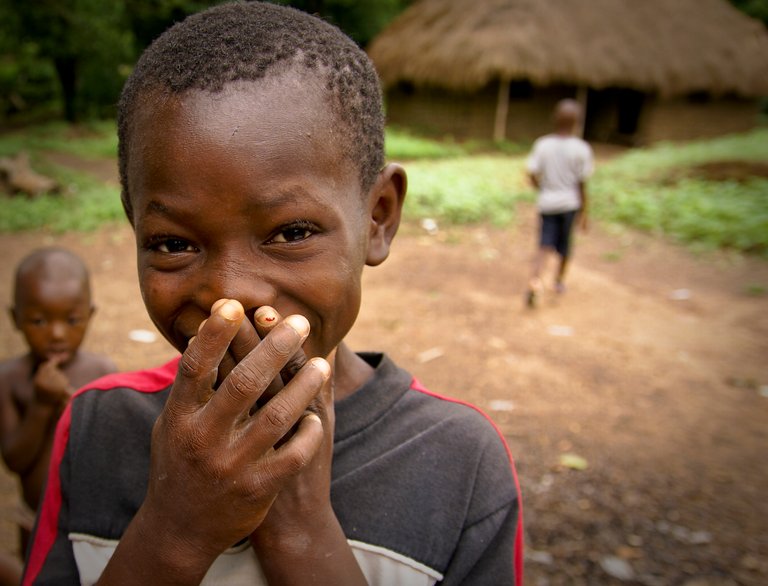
[245, 41]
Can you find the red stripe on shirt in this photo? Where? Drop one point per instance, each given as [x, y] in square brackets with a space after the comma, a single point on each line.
[150, 381]
[417, 386]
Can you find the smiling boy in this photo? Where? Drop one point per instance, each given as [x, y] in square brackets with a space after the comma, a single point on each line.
[51, 309]
[251, 158]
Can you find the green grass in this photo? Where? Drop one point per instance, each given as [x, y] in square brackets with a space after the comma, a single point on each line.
[91, 140]
[645, 189]
[466, 189]
[457, 183]
[402, 145]
[83, 203]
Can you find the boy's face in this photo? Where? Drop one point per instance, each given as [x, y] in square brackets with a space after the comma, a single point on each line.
[53, 316]
[245, 195]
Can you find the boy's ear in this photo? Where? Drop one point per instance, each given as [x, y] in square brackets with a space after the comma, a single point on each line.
[386, 204]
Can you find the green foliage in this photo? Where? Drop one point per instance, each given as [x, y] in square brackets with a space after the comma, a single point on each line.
[86, 42]
[402, 145]
[466, 189]
[85, 205]
[71, 57]
[147, 19]
[646, 190]
[92, 140]
[654, 189]
[754, 8]
[360, 20]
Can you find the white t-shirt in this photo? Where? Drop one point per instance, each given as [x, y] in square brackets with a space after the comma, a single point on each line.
[560, 163]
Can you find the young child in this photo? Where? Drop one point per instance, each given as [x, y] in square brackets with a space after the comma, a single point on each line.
[51, 308]
[251, 157]
[559, 166]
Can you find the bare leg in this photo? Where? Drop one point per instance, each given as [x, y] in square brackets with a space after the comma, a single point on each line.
[534, 283]
[559, 286]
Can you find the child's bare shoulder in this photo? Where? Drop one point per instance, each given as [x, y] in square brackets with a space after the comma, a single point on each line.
[89, 366]
[12, 372]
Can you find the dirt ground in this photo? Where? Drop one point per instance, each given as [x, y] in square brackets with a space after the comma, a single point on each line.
[635, 404]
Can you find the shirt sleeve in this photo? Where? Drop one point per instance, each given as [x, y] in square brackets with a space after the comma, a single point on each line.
[533, 163]
[490, 549]
[50, 560]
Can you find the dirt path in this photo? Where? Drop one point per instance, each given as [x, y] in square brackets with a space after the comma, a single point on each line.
[632, 403]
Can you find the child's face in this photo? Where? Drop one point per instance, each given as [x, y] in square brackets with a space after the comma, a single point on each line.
[245, 195]
[53, 316]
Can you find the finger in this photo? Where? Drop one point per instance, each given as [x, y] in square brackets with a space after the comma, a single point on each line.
[265, 319]
[245, 340]
[323, 405]
[200, 361]
[286, 409]
[54, 361]
[291, 458]
[253, 375]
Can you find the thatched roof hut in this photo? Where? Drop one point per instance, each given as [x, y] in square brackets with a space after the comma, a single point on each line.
[662, 47]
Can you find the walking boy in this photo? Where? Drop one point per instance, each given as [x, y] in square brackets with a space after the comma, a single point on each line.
[51, 308]
[251, 158]
[559, 166]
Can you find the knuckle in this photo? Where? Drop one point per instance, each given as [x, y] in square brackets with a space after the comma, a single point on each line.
[239, 388]
[190, 365]
[278, 415]
[246, 380]
[298, 460]
[262, 481]
[282, 342]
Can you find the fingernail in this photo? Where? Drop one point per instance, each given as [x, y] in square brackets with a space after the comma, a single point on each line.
[314, 417]
[230, 310]
[265, 316]
[200, 327]
[299, 323]
[218, 304]
[323, 366]
[192, 339]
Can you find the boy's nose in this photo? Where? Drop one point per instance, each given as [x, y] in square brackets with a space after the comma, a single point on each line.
[235, 280]
[58, 329]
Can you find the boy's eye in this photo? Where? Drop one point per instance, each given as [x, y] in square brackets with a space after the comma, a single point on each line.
[172, 245]
[37, 322]
[75, 320]
[294, 233]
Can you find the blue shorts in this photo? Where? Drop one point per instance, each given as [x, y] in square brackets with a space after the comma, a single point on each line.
[556, 231]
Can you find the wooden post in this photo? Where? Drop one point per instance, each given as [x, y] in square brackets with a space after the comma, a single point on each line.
[502, 109]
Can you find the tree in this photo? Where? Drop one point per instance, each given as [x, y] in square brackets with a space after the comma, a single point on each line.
[361, 20]
[754, 8]
[148, 18]
[89, 46]
[84, 39]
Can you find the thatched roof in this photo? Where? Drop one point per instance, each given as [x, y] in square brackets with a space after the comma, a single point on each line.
[666, 46]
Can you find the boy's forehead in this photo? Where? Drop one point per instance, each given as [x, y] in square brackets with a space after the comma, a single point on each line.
[290, 104]
[286, 114]
[56, 275]
[44, 290]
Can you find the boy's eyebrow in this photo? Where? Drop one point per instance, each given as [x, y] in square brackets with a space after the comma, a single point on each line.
[275, 200]
[157, 207]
